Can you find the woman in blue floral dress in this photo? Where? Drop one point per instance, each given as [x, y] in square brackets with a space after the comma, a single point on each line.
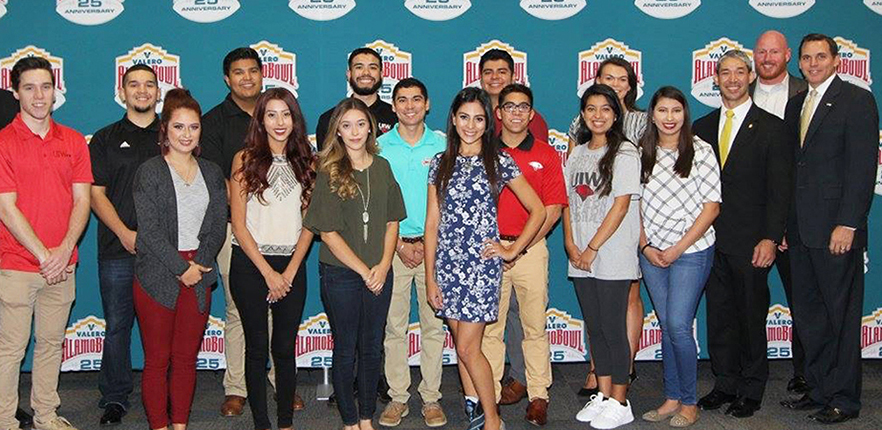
[463, 254]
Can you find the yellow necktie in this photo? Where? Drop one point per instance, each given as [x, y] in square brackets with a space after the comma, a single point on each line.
[725, 137]
[805, 118]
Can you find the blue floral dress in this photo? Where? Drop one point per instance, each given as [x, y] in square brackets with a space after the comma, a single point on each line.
[469, 284]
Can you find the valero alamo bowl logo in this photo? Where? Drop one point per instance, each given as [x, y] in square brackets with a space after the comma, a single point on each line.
[279, 68]
[471, 73]
[704, 63]
[397, 65]
[871, 335]
[566, 336]
[854, 63]
[559, 141]
[166, 66]
[33, 51]
[590, 60]
[83, 345]
[779, 332]
[211, 351]
[315, 343]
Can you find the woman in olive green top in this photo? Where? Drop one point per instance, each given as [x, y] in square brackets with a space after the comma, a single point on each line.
[356, 206]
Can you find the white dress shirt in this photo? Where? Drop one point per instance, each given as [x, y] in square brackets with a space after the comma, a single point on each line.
[737, 119]
[773, 98]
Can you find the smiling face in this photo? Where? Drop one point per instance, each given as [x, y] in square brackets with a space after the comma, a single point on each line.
[277, 121]
[495, 75]
[365, 74]
[184, 129]
[733, 78]
[515, 112]
[617, 78]
[354, 128]
[245, 80]
[817, 62]
[140, 91]
[470, 121]
[668, 116]
[598, 115]
[410, 106]
[35, 94]
[770, 56]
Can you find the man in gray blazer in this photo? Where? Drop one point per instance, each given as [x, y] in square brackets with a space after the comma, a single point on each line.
[771, 90]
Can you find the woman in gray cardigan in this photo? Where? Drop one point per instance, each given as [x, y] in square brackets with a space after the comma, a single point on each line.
[180, 201]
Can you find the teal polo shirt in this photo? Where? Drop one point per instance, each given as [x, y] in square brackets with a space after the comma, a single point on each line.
[410, 166]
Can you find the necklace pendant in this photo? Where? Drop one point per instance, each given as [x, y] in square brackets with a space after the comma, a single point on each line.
[365, 233]
[365, 217]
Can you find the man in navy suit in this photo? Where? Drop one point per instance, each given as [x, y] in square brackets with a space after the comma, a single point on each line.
[835, 126]
[756, 162]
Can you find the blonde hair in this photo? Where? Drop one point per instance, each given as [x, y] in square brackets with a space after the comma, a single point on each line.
[334, 159]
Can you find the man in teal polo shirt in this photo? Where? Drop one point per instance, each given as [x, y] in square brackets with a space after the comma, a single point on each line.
[409, 147]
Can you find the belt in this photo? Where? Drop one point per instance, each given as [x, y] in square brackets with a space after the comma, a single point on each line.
[414, 239]
[508, 237]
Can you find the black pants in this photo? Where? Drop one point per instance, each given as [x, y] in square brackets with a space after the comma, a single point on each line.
[249, 291]
[737, 307]
[828, 297]
[782, 262]
[604, 306]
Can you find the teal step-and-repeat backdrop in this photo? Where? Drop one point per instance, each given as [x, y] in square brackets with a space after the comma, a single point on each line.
[557, 45]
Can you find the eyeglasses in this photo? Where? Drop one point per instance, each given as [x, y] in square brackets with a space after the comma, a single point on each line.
[520, 108]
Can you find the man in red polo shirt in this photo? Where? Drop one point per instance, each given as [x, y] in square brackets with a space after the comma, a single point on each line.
[528, 274]
[45, 179]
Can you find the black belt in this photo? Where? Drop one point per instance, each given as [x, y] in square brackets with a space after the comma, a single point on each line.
[507, 237]
[414, 239]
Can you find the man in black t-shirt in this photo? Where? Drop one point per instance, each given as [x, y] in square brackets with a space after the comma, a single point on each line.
[116, 152]
[365, 77]
[8, 108]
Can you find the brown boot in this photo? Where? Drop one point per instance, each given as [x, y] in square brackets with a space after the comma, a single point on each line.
[512, 393]
[537, 412]
[233, 406]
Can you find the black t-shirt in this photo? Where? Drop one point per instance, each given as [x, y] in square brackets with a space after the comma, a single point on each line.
[382, 112]
[116, 152]
[223, 133]
[8, 108]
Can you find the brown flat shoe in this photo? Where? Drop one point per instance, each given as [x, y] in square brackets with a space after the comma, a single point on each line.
[233, 406]
[298, 403]
[512, 393]
[537, 412]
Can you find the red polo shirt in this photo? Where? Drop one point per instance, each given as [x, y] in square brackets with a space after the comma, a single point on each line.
[41, 172]
[540, 165]
[538, 127]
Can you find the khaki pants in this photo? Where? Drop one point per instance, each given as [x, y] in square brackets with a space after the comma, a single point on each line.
[529, 277]
[26, 295]
[396, 342]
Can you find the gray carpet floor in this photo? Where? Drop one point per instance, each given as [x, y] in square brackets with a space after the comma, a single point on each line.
[79, 396]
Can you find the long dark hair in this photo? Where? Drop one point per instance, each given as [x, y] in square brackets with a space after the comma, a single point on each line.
[257, 156]
[489, 151]
[614, 136]
[631, 95]
[334, 159]
[649, 141]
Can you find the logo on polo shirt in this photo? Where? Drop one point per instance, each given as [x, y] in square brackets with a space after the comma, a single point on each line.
[854, 63]
[566, 336]
[167, 67]
[83, 345]
[211, 350]
[396, 66]
[782, 8]
[125, 145]
[650, 341]
[438, 10]
[315, 344]
[590, 60]
[779, 332]
[89, 12]
[205, 11]
[279, 68]
[871, 335]
[874, 5]
[552, 9]
[321, 10]
[2, 8]
[33, 51]
[415, 346]
[879, 167]
[471, 71]
[560, 142]
[667, 9]
[704, 63]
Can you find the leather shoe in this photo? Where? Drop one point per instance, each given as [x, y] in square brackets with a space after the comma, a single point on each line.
[537, 412]
[25, 419]
[112, 416]
[798, 385]
[233, 406]
[831, 415]
[298, 403]
[512, 393]
[715, 399]
[383, 390]
[743, 408]
[804, 403]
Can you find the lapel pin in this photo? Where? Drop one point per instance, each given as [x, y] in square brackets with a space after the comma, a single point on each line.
[750, 125]
[829, 104]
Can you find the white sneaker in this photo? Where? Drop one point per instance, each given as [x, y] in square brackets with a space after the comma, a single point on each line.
[591, 409]
[613, 415]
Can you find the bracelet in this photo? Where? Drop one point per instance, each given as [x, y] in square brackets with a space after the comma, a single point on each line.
[643, 248]
[589, 247]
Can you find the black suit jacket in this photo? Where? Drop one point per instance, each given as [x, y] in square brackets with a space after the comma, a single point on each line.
[835, 169]
[794, 86]
[755, 180]
[8, 108]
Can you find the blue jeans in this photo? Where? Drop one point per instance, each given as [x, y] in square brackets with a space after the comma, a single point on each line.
[358, 324]
[115, 278]
[675, 292]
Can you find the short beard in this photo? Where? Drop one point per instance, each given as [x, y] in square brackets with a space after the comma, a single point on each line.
[365, 91]
[144, 109]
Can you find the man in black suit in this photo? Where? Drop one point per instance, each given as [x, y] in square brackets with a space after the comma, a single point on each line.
[836, 126]
[8, 108]
[756, 161]
[771, 90]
